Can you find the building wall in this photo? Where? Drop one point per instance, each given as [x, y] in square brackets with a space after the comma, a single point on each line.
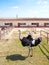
[28, 23]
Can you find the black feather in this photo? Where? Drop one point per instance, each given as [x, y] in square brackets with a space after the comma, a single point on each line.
[26, 41]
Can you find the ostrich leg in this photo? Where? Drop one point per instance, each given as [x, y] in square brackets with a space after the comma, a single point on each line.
[30, 54]
[29, 51]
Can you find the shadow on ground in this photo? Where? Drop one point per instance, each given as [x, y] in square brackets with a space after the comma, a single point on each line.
[44, 52]
[15, 57]
[45, 48]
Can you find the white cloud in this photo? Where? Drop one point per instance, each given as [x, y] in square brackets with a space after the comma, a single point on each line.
[45, 2]
[44, 11]
[39, 2]
[15, 7]
[42, 2]
[45, 6]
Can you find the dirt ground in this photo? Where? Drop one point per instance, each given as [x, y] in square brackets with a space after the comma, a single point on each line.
[13, 53]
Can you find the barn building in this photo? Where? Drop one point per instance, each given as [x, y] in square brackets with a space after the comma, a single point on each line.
[24, 22]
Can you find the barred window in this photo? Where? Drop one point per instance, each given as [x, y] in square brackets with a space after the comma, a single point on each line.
[22, 23]
[6, 23]
[47, 23]
[33, 23]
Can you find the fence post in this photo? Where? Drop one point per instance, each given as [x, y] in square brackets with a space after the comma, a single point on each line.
[0, 34]
[40, 32]
[47, 35]
[47, 38]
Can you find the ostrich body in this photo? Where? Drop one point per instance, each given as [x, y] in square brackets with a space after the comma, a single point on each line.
[29, 42]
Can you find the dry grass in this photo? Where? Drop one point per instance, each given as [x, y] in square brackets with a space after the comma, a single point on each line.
[13, 53]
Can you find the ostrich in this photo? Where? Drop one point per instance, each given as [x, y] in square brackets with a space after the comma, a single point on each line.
[29, 42]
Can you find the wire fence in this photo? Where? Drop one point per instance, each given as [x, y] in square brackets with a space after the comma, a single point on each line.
[45, 34]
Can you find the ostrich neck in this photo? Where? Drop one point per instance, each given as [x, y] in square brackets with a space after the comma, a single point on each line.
[19, 35]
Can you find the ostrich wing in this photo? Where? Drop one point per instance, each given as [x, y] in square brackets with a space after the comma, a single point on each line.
[37, 41]
[25, 42]
[29, 37]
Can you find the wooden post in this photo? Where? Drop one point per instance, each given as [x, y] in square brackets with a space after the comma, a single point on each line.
[19, 33]
[0, 33]
[40, 33]
[47, 38]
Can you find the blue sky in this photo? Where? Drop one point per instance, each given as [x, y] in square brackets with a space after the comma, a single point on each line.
[24, 8]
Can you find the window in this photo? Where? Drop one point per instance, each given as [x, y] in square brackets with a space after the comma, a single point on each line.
[33, 23]
[47, 23]
[6, 23]
[22, 23]
[10, 24]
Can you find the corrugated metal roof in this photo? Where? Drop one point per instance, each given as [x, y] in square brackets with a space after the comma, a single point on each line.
[24, 19]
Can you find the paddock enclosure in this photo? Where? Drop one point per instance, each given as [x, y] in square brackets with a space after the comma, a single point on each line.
[11, 50]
